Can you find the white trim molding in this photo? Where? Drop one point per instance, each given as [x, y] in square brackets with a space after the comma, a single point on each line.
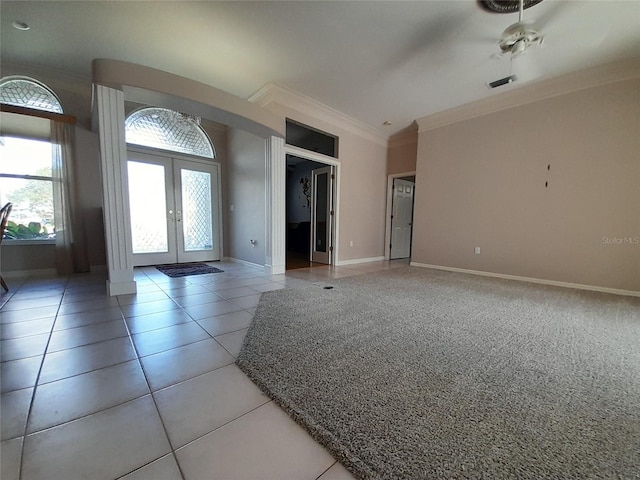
[542, 281]
[356, 261]
[273, 93]
[109, 106]
[275, 205]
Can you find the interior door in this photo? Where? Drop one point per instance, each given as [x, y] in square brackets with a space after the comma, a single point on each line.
[402, 218]
[174, 209]
[322, 214]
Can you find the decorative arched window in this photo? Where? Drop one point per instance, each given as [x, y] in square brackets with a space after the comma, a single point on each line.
[26, 162]
[27, 92]
[168, 130]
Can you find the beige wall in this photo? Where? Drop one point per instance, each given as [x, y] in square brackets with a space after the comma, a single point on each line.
[245, 191]
[362, 184]
[481, 182]
[403, 152]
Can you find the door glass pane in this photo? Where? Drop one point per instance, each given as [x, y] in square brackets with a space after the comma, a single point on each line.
[321, 213]
[148, 207]
[197, 214]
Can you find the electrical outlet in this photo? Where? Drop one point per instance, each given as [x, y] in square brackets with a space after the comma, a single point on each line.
[477, 251]
[351, 243]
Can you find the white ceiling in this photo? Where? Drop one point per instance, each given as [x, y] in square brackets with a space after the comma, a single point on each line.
[374, 61]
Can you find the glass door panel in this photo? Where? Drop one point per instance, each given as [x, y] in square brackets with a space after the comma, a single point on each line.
[197, 227]
[197, 210]
[151, 210]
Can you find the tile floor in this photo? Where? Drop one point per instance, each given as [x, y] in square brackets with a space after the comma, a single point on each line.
[144, 386]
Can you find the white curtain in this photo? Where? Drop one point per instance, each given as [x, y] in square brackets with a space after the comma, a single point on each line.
[71, 249]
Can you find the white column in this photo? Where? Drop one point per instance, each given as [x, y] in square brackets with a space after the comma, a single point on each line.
[275, 228]
[115, 196]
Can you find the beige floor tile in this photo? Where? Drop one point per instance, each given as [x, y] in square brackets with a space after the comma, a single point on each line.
[75, 320]
[229, 322]
[28, 314]
[232, 341]
[74, 397]
[250, 301]
[102, 446]
[77, 337]
[199, 299]
[10, 452]
[268, 287]
[336, 472]
[97, 303]
[154, 321]
[157, 341]
[165, 468]
[197, 406]
[179, 364]
[14, 407]
[19, 374]
[18, 304]
[211, 309]
[66, 363]
[237, 292]
[26, 328]
[146, 308]
[23, 347]
[264, 444]
[142, 297]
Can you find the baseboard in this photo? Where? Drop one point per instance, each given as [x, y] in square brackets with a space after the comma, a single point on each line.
[593, 288]
[42, 272]
[359, 260]
[244, 262]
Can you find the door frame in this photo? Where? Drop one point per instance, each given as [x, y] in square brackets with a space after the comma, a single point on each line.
[387, 228]
[189, 158]
[329, 212]
[328, 161]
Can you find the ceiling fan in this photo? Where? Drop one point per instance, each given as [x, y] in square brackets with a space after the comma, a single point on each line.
[520, 36]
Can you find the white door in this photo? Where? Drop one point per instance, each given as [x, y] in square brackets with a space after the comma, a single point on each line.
[174, 209]
[322, 215]
[401, 218]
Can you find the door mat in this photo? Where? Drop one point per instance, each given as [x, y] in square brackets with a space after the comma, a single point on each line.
[186, 269]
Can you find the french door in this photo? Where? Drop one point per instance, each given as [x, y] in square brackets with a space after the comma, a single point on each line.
[174, 209]
[322, 180]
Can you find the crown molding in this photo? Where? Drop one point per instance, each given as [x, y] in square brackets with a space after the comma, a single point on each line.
[274, 93]
[542, 90]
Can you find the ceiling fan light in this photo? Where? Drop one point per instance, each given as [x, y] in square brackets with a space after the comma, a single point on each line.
[519, 47]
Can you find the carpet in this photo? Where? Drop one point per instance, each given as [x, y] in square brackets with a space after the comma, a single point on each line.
[422, 374]
[186, 269]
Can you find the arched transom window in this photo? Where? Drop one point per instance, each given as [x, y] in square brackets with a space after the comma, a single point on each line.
[27, 92]
[168, 130]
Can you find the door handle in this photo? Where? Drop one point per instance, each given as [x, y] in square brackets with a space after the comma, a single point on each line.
[169, 213]
[178, 216]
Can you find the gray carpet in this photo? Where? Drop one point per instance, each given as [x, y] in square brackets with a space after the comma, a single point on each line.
[420, 374]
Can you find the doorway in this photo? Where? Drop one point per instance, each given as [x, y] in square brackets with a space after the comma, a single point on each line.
[310, 213]
[403, 191]
[174, 209]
